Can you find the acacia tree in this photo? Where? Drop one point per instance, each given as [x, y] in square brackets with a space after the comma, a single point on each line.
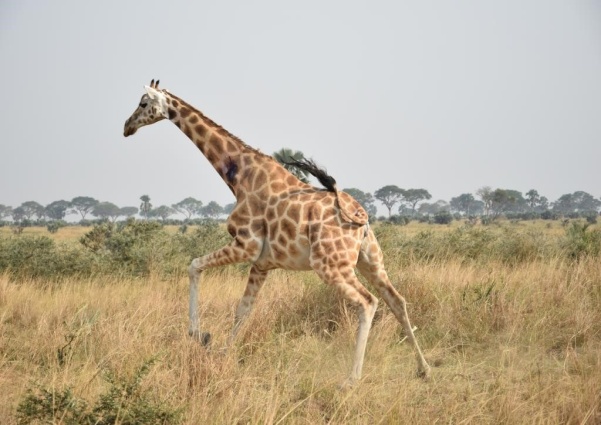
[533, 198]
[285, 155]
[57, 209]
[128, 211]
[578, 201]
[506, 200]
[145, 206]
[163, 212]
[366, 200]
[30, 208]
[188, 207]
[463, 203]
[389, 196]
[107, 211]
[433, 208]
[485, 193]
[227, 209]
[412, 196]
[5, 211]
[83, 205]
[585, 202]
[212, 210]
[18, 214]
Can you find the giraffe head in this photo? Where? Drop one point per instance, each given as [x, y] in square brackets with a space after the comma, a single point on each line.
[152, 108]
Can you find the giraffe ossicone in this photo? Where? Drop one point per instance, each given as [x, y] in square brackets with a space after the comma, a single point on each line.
[281, 222]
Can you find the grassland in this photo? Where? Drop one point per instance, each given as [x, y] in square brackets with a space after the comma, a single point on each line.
[510, 342]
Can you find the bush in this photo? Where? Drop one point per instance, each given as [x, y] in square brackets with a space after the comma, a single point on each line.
[53, 226]
[401, 220]
[41, 257]
[124, 403]
[443, 217]
[581, 242]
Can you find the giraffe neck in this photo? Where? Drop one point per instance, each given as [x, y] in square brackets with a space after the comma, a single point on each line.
[226, 153]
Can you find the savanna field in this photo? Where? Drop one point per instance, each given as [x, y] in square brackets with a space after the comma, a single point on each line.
[93, 329]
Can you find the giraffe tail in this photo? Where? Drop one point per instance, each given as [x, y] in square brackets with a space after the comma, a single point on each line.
[351, 210]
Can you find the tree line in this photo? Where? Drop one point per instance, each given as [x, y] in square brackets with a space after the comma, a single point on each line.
[402, 205]
[485, 203]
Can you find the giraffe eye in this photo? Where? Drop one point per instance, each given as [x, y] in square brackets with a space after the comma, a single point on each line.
[143, 105]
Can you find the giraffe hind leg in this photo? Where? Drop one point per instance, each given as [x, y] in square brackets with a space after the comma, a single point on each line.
[371, 266]
[350, 288]
[255, 282]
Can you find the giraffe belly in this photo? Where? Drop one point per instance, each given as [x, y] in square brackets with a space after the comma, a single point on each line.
[293, 255]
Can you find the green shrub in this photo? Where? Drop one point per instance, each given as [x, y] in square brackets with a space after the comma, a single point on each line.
[443, 217]
[54, 226]
[581, 242]
[41, 257]
[124, 403]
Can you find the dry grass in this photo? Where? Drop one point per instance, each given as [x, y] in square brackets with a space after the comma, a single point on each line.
[509, 344]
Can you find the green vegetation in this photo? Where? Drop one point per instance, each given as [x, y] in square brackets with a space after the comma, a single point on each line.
[125, 402]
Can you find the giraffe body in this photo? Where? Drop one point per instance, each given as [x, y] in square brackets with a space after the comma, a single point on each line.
[281, 222]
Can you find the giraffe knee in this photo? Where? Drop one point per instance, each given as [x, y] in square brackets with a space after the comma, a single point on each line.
[194, 269]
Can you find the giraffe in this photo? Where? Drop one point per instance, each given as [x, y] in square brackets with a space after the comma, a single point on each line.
[281, 222]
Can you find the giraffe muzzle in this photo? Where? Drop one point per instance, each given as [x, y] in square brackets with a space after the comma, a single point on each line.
[129, 130]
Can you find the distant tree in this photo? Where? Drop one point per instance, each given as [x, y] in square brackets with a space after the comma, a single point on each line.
[188, 207]
[106, 211]
[564, 205]
[585, 202]
[543, 204]
[434, 208]
[389, 196]
[366, 200]
[533, 199]
[520, 204]
[212, 210]
[31, 208]
[577, 202]
[18, 214]
[128, 211]
[83, 205]
[163, 212]
[5, 211]
[463, 203]
[485, 193]
[412, 196]
[145, 206]
[285, 155]
[57, 209]
[229, 208]
[505, 200]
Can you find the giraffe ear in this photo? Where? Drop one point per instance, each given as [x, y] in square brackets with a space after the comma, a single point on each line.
[152, 92]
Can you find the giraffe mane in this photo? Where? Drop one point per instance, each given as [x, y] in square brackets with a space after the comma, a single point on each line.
[220, 129]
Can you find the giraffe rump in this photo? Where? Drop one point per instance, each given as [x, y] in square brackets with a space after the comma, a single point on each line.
[312, 168]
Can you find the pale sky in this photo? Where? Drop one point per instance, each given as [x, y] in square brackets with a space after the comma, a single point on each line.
[445, 96]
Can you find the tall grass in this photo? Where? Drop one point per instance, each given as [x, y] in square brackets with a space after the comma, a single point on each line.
[511, 341]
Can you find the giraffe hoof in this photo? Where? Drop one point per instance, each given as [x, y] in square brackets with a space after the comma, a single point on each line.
[424, 374]
[348, 384]
[203, 337]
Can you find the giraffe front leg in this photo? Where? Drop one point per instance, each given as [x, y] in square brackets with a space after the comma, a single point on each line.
[194, 327]
[255, 282]
[235, 252]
